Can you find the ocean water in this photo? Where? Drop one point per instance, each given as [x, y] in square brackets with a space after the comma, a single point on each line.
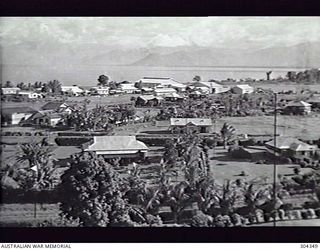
[87, 75]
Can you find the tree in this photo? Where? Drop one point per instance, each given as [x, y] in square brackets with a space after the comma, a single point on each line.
[8, 84]
[138, 85]
[197, 78]
[22, 86]
[38, 154]
[54, 86]
[84, 119]
[92, 192]
[227, 133]
[103, 80]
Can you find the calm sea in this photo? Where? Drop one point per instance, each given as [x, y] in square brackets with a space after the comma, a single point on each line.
[86, 75]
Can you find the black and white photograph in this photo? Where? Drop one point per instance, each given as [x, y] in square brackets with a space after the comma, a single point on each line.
[160, 122]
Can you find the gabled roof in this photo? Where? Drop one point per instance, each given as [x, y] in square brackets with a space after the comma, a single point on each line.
[244, 86]
[165, 90]
[45, 113]
[290, 143]
[149, 97]
[158, 80]
[298, 104]
[53, 105]
[116, 144]
[13, 110]
[174, 95]
[207, 84]
[194, 121]
[72, 88]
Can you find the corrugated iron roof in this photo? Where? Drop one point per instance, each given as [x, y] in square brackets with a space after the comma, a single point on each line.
[116, 144]
[194, 121]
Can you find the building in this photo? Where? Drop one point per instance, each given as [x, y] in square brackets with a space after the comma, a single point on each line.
[148, 100]
[101, 91]
[129, 88]
[213, 87]
[10, 91]
[297, 108]
[197, 94]
[72, 90]
[14, 116]
[152, 82]
[173, 97]
[162, 91]
[291, 147]
[242, 89]
[45, 119]
[29, 94]
[315, 102]
[190, 125]
[59, 107]
[127, 148]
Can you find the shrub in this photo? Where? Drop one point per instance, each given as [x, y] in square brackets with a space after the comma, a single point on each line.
[201, 220]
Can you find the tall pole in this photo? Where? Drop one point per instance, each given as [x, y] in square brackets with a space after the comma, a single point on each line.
[275, 158]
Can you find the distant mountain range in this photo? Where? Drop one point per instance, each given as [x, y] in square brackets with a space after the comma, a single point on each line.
[304, 55]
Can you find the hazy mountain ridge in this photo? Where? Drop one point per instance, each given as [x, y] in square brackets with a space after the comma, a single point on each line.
[302, 55]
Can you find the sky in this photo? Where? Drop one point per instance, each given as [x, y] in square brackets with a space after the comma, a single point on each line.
[147, 32]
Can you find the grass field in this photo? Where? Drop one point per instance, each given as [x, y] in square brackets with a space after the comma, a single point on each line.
[26, 213]
[295, 126]
[223, 167]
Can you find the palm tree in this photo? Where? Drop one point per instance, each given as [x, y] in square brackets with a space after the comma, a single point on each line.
[38, 154]
[227, 134]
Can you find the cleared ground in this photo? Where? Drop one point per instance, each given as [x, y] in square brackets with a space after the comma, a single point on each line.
[223, 167]
[295, 126]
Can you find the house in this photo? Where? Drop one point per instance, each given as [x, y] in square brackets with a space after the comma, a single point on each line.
[242, 89]
[213, 87]
[129, 88]
[29, 94]
[101, 91]
[297, 108]
[148, 100]
[15, 115]
[45, 119]
[291, 147]
[162, 91]
[194, 125]
[59, 107]
[72, 90]
[10, 91]
[146, 90]
[173, 97]
[123, 147]
[152, 82]
[315, 102]
[197, 94]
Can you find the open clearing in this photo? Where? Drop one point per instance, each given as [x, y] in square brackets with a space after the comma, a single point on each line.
[223, 167]
[296, 126]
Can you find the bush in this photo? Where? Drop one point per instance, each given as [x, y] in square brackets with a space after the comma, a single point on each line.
[201, 220]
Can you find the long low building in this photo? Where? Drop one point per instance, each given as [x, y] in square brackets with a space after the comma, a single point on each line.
[123, 147]
[184, 125]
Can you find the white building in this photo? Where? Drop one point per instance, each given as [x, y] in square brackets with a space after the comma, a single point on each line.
[242, 89]
[29, 94]
[129, 88]
[73, 90]
[10, 91]
[164, 91]
[153, 82]
[102, 91]
[213, 87]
